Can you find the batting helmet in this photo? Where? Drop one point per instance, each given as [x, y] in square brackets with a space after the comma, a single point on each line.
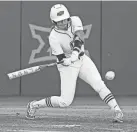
[59, 12]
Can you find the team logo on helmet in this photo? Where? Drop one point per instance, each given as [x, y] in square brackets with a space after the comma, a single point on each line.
[60, 13]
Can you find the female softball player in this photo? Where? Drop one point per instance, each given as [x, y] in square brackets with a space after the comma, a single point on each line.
[67, 43]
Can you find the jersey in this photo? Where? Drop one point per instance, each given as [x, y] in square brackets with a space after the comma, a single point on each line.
[61, 40]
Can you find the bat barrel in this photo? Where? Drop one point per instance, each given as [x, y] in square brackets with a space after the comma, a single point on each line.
[23, 72]
[30, 70]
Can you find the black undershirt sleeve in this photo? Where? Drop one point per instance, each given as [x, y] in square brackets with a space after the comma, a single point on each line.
[77, 45]
[61, 56]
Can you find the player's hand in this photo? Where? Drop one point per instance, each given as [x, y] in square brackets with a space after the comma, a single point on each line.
[67, 61]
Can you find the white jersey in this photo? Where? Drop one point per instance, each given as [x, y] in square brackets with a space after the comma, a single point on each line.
[60, 40]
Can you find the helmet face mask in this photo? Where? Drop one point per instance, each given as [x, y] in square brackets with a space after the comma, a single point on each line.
[59, 15]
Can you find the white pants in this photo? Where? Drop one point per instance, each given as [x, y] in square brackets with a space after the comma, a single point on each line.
[84, 69]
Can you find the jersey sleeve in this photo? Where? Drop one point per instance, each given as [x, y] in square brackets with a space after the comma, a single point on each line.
[77, 23]
[55, 46]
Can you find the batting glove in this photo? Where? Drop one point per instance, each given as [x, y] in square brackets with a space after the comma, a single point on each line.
[74, 56]
[72, 59]
[67, 61]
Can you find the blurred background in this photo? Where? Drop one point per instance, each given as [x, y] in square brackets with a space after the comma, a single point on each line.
[111, 44]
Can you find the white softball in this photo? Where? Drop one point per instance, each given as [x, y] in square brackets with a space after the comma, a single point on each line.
[110, 75]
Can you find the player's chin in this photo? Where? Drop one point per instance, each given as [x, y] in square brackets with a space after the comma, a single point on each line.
[64, 27]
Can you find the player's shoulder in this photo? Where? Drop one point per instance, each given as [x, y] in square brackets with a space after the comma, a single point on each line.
[75, 19]
[52, 33]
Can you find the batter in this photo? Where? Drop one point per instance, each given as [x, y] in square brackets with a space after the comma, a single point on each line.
[66, 40]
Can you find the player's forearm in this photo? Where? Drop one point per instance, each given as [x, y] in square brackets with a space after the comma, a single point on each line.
[78, 42]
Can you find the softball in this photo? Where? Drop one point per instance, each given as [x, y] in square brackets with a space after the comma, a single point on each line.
[110, 75]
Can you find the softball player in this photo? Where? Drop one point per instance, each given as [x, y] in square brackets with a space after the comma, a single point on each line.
[67, 43]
